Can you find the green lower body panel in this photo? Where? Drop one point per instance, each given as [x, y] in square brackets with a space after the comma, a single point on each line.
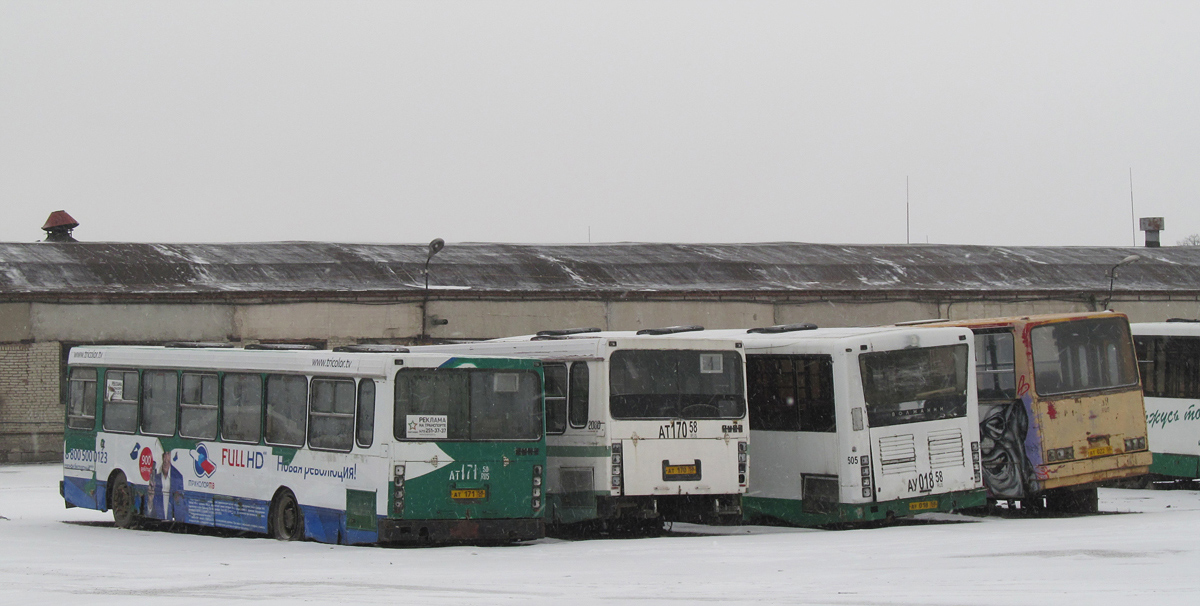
[794, 511]
[1180, 466]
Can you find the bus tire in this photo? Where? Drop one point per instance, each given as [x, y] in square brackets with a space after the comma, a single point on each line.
[287, 520]
[120, 500]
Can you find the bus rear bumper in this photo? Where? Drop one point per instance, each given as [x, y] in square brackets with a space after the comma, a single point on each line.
[1095, 470]
[461, 531]
[815, 514]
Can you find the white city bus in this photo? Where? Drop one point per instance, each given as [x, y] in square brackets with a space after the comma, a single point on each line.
[640, 428]
[852, 425]
[1169, 358]
[336, 446]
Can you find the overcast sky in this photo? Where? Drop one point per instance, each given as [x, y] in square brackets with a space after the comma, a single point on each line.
[1015, 123]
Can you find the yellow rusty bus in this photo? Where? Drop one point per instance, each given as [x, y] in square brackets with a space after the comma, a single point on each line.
[1060, 407]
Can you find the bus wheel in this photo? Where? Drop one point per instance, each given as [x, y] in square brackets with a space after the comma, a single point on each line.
[120, 499]
[287, 521]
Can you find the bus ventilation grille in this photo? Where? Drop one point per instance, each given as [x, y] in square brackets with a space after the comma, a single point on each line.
[946, 449]
[898, 454]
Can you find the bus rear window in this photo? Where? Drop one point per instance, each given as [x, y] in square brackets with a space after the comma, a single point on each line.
[914, 385]
[474, 405]
[1082, 355]
[676, 384]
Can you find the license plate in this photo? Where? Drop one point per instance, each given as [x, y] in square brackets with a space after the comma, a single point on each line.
[680, 470]
[469, 493]
[1100, 452]
[922, 505]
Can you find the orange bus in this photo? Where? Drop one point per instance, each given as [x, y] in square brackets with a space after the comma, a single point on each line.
[1060, 407]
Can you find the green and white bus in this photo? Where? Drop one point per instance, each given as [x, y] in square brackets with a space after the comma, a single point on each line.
[856, 425]
[642, 429]
[1168, 355]
[345, 446]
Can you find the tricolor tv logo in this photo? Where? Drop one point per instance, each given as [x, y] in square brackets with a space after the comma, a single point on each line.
[200, 463]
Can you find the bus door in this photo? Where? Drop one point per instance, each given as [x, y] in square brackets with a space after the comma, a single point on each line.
[919, 427]
[342, 420]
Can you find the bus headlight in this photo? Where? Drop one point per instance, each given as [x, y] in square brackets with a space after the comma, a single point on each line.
[1135, 444]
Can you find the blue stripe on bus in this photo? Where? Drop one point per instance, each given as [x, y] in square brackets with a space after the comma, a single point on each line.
[203, 509]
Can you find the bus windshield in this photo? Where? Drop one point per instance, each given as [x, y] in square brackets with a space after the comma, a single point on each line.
[676, 384]
[1082, 355]
[914, 385]
[468, 405]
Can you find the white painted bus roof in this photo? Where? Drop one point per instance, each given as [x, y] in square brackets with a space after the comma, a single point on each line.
[314, 362]
[1166, 329]
[815, 333]
[592, 345]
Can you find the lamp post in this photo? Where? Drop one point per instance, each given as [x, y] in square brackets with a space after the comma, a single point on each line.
[435, 247]
[1112, 276]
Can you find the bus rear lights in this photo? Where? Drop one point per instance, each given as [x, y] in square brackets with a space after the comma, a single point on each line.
[398, 490]
[617, 465]
[864, 462]
[975, 462]
[743, 461]
[1135, 444]
[536, 501]
[1060, 454]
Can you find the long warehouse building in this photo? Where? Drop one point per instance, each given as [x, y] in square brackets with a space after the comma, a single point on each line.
[54, 295]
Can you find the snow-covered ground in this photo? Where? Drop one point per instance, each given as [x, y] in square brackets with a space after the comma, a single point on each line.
[1146, 552]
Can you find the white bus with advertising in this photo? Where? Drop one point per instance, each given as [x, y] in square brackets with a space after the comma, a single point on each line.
[855, 425]
[335, 446]
[641, 428]
[1168, 355]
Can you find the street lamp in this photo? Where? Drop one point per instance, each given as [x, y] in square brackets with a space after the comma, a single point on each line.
[1112, 276]
[435, 247]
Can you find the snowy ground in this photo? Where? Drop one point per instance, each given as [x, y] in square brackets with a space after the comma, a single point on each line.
[1146, 552]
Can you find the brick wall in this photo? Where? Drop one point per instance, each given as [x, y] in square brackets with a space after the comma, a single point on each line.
[31, 411]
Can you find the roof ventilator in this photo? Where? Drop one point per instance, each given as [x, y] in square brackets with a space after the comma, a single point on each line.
[371, 348]
[562, 332]
[282, 346]
[669, 330]
[772, 330]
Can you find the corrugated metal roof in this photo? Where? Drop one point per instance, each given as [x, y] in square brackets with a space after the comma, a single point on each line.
[117, 270]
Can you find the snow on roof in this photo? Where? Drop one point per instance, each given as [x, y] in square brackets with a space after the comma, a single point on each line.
[113, 270]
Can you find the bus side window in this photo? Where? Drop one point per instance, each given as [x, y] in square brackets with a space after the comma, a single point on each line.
[579, 394]
[120, 400]
[995, 369]
[365, 421]
[241, 408]
[198, 407]
[791, 393]
[331, 414]
[1169, 366]
[160, 394]
[81, 399]
[556, 398]
[287, 404]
